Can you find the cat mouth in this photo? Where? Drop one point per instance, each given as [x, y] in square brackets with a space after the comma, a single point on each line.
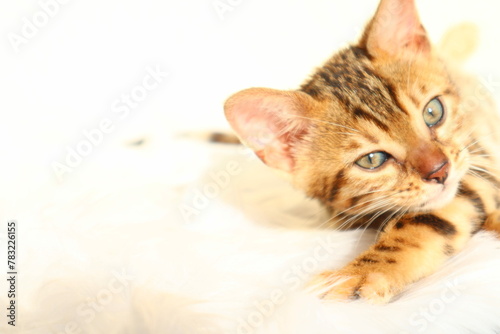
[442, 196]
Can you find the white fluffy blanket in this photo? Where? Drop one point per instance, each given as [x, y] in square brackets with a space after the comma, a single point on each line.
[181, 236]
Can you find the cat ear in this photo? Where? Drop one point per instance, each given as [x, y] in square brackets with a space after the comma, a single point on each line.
[396, 28]
[271, 122]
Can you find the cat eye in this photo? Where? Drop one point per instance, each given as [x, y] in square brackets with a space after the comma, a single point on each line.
[372, 160]
[433, 112]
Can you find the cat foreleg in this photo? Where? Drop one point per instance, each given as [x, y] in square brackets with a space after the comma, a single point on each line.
[408, 249]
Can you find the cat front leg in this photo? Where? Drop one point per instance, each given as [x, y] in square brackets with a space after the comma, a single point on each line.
[408, 249]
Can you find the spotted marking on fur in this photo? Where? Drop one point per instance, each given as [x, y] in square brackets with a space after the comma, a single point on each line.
[399, 225]
[407, 243]
[439, 225]
[448, 250]
[367, 259]
[385, 248]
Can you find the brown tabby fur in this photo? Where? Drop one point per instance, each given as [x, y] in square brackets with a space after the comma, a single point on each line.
[370, 98]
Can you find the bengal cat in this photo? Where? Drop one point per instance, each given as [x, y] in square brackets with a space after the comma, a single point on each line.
[387, 134]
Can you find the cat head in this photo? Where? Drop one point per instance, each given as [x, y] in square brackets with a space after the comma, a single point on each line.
[378, 127]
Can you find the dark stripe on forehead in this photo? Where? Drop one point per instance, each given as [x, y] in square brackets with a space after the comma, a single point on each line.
[331, 78]
[376, 95]
[392, 92]
[328, 78]
[390, 89]
[350, 78]
[361, 53]
[312, 90]
[367, 116]
[344, 99]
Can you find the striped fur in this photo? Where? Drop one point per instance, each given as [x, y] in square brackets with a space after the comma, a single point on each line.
[370, 97]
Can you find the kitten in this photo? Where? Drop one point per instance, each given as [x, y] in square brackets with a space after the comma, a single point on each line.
[384, 134]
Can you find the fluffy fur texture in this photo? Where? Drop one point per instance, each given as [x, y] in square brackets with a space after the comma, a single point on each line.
[384, 135]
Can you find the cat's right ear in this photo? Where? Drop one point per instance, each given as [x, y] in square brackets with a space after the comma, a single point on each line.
[271, 122]
[395, 29]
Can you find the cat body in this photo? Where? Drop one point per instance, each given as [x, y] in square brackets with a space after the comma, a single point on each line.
[386, 134]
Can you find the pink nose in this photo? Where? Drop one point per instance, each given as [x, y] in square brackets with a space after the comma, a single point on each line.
[440, 173]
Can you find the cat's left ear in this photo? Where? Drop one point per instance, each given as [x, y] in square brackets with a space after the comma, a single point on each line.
[271, 122]
[396, 29]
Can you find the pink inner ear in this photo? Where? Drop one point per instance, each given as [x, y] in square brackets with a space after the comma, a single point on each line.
[266, 121]
[258, 126]
[395, 28]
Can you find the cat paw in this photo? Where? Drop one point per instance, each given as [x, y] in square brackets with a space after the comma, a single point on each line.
[345, 285]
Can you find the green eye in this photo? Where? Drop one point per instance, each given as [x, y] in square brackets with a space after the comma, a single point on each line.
[433, 112]
[372, 160]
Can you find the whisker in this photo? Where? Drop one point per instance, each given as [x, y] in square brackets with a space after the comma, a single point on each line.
[369, 208]
[382, 203]
[349, 220]
[365, 202]
[471, 144]
[395, 216]
[491, 171]
[482, 161]
[479, 155]
[370, 200]
[483, 170]
[364, 194]
[471, 131]
[476, 160]
[382, 225]
[372, 207]
[479, 139]
[471, 172]
[371, 220]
